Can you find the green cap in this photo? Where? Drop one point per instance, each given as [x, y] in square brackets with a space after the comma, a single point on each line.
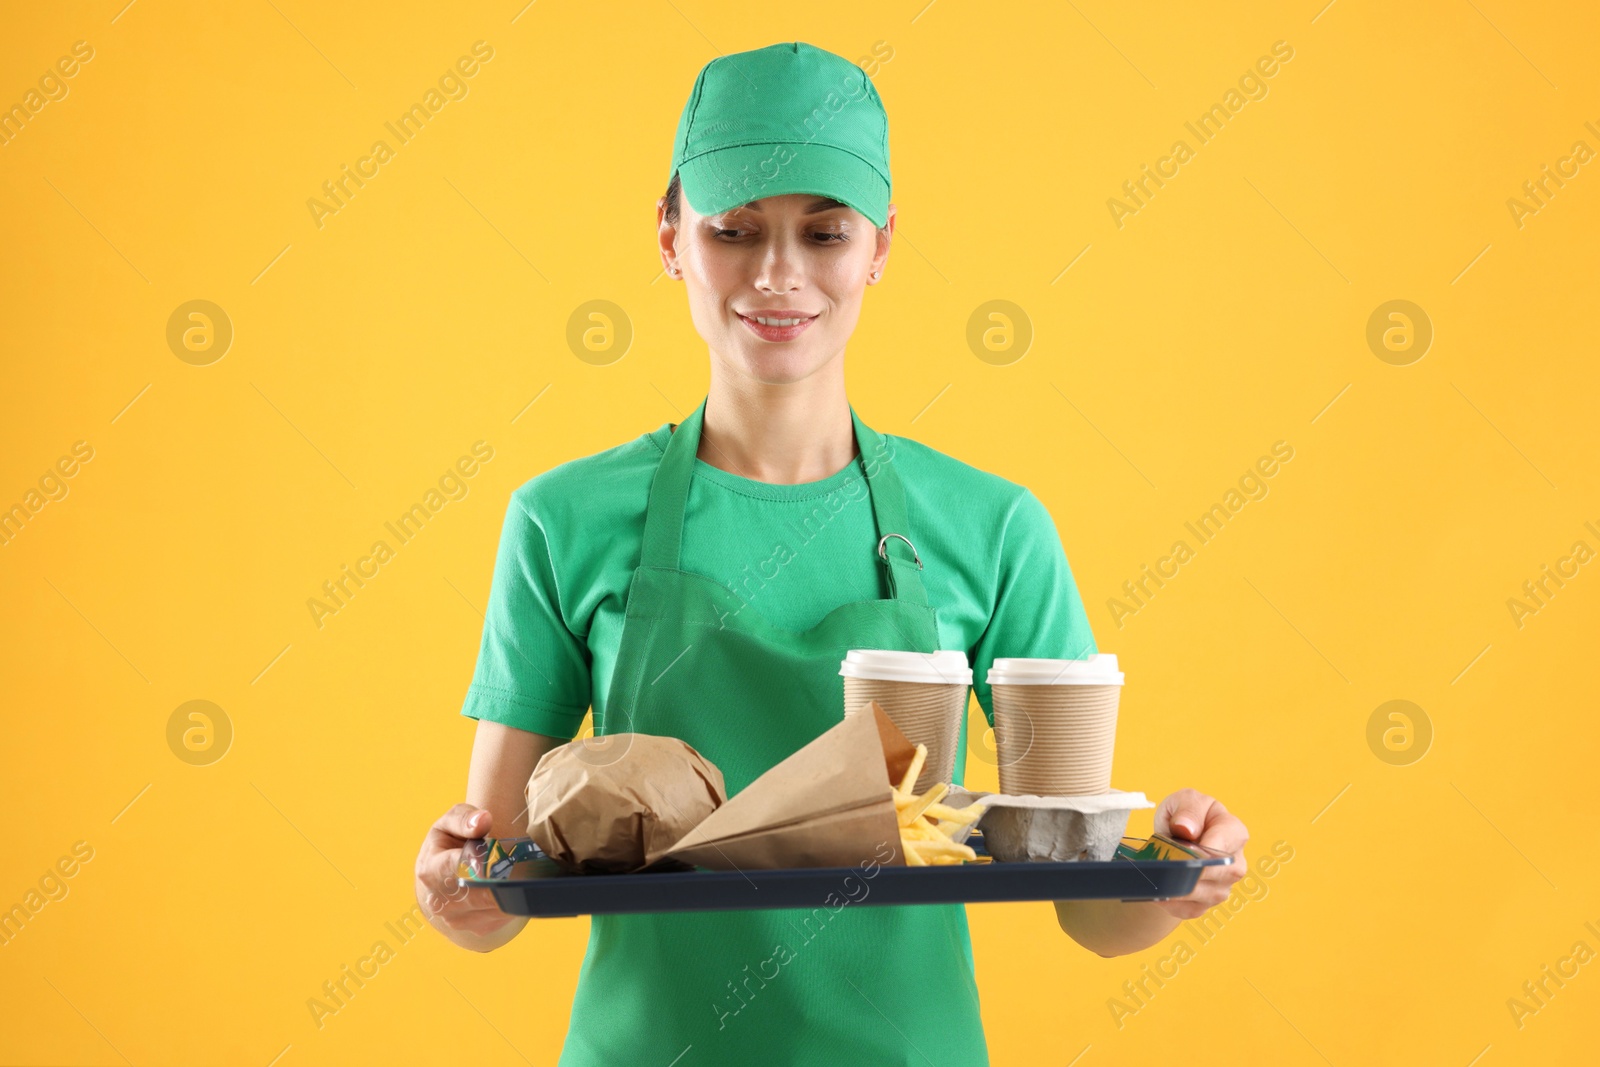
[787, 118]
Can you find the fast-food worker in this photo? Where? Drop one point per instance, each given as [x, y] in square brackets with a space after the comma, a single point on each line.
[704, 580]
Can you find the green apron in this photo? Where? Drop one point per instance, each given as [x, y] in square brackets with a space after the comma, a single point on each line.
[842, 982]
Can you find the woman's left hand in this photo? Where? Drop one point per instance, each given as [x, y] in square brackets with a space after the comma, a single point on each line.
[1191, 815]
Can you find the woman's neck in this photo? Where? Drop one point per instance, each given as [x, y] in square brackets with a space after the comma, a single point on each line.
[783, 434]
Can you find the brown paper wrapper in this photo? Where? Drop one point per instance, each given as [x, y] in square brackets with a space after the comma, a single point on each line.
[612, 804]
[827, 805]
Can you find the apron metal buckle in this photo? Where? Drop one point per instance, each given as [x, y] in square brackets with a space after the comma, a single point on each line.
[883, 552]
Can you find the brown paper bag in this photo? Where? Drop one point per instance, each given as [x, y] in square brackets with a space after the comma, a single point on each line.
[604, 804]
[828, 805]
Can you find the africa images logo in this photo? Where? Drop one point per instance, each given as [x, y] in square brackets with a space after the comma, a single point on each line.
[452, 85]
[452, 485]
[1252, 486]
[1252, 86]
[850, 90]
[53, 87]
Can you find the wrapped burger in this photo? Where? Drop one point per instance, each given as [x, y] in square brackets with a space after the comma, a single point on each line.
[604, 804]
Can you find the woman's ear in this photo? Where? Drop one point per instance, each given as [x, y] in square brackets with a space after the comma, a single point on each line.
[880, 257]
[667, 240]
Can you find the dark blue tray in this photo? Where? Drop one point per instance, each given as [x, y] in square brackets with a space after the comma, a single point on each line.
[526, 882]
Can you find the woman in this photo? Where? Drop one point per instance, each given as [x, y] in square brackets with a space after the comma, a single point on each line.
[705, 579]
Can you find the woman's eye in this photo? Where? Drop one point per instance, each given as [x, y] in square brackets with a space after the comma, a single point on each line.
[823, 238]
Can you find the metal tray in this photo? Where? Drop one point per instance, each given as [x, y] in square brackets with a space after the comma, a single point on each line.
[526, 882]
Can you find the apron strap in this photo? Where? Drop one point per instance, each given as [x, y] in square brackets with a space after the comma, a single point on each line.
[889, 508]
[669, 495]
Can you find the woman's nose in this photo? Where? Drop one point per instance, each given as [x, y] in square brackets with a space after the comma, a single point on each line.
[780, 267]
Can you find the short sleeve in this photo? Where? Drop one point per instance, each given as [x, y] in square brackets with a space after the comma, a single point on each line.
[532, 671]
[1037, 612]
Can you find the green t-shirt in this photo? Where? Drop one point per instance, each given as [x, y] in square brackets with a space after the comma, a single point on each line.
[993, 568]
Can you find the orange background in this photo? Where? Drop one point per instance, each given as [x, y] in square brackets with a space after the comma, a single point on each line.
[1166, 355]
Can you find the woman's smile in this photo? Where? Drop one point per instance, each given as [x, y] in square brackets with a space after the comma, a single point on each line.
[776, 325]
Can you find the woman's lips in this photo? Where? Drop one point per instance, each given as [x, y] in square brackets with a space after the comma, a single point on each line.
[777, 333]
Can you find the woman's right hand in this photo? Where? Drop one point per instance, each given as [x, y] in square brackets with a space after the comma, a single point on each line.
[467, 915]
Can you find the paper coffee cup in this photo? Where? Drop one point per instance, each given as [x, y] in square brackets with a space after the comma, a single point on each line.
[923, 693]
[1055, 724]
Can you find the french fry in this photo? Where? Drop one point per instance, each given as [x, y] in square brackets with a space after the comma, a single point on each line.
[960, 815]
[937, 845]
[914, 810]
[944, 847]
[927, 827]
[909, 781]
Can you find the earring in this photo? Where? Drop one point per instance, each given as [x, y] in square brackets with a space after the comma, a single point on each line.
[875, 275]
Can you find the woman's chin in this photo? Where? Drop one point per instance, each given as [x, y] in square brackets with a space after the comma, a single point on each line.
[772, 367]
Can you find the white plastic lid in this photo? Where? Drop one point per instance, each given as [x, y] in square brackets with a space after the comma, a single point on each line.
[933, 668]
[1090, 804]
[1099, 669]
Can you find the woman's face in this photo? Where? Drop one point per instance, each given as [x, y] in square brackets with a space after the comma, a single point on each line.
[797, 256]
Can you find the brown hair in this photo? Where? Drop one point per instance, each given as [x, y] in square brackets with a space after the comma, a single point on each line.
[674, 190]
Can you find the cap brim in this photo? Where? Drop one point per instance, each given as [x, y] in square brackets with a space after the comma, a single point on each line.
[729, 177]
